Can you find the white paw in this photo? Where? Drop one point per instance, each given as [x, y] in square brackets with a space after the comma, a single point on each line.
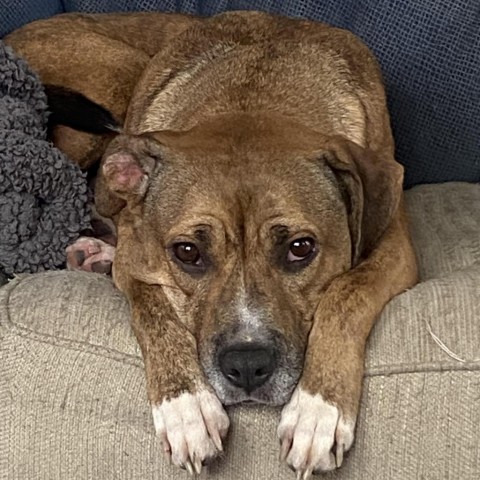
[313, 434]
[191, 427]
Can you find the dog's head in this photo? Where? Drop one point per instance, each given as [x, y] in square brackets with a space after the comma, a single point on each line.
[244, 221]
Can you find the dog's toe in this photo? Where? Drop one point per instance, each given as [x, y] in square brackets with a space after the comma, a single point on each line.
[102, 266]
[79, 257]
[313, 434]
[191, 427]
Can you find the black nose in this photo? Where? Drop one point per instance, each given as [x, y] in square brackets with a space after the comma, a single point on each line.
[247, 366]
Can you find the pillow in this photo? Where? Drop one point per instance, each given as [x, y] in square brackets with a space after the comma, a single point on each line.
[429, 52]
[430, 55]
[18, 13]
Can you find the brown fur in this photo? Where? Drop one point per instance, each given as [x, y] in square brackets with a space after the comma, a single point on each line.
[101, 56]
[238, 119]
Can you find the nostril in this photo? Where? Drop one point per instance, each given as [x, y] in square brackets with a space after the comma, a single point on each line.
[261, 372]
[233, 374]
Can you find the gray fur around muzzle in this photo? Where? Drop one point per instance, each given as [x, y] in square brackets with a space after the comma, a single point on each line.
[251, 365]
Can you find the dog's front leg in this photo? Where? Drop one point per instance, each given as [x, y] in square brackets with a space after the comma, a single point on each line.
[317, 425]
[188, 417]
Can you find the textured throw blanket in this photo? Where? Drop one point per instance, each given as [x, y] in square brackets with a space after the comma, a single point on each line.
[43, 196]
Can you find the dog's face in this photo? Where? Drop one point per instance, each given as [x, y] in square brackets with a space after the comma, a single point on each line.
[243, 223]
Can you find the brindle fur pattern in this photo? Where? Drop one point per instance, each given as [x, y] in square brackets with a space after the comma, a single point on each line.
[242, 131]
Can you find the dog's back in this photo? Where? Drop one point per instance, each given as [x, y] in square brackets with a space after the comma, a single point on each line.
[320, 76]
[323, 77]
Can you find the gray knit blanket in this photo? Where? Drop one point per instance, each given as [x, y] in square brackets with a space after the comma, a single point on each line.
[43, 195]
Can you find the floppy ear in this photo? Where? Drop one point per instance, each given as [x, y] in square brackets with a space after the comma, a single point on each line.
[124, 173]
[372, 187]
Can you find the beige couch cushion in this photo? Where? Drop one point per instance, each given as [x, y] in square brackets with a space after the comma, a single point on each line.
[72, 391]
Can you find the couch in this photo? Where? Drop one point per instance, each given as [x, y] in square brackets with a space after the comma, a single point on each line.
[72, 390]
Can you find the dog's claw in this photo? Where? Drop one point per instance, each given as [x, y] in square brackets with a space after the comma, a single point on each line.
[339, 455]
[189, 468]
[197, 463]
[168, 456]
[217, 441]
[284, 449]
[307, 474]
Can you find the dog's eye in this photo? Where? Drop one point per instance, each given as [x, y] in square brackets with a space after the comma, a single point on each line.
[187, 253]
[301, 249]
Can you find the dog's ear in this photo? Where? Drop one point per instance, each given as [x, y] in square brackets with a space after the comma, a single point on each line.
[372, 188]
[124, 173]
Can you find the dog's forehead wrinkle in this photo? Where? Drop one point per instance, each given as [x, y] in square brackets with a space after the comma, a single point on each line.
[241, 195]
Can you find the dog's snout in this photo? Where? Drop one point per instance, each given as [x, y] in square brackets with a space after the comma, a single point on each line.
[247, 366]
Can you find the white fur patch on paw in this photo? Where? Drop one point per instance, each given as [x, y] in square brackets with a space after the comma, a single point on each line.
[313, 434]
[191, 427]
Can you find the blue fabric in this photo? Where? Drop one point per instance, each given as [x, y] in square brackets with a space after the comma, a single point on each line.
[15, 13]
[430, 55]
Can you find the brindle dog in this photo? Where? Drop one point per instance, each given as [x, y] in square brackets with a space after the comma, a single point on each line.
[258, 208]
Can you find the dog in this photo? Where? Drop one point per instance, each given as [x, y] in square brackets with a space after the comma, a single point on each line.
[247, 162]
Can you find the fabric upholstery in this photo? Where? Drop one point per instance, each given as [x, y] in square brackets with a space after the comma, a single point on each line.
[72, 389]
[15, 13]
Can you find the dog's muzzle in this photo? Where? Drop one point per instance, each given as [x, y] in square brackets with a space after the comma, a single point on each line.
[259, 367]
